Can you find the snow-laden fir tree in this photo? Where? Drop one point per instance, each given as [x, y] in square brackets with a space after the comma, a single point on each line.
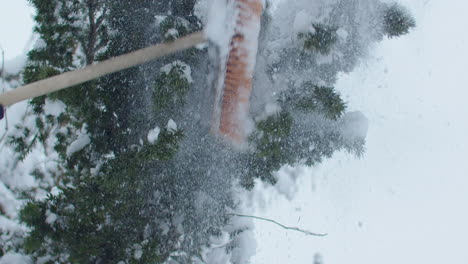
[140, 178]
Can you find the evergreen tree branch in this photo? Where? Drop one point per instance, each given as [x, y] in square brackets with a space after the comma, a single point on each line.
[281, 225]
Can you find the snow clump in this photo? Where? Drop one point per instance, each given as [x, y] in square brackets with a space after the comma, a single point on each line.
[153, 135]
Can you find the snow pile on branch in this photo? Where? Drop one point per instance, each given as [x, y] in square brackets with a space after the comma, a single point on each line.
[182, 66]
[80, 143]
[15, 258]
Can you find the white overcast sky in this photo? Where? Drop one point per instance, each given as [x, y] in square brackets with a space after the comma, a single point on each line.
[15, 26]
[406, 201]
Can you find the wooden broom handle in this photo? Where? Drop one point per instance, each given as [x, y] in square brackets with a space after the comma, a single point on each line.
[97, 70]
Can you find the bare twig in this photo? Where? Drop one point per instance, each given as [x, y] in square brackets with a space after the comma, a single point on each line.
[281, 225]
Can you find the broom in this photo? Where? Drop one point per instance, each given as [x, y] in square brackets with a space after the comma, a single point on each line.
[237, 84]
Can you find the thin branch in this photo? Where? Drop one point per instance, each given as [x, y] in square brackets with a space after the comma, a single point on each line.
[92, 35]
[281, 225]
[101, 18]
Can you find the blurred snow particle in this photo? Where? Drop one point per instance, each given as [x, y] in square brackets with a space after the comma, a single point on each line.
[171, 125]
[153, 135]
[50, 217]
[354, 125]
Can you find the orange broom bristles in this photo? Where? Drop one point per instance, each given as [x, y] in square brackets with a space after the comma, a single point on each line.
[239, 70]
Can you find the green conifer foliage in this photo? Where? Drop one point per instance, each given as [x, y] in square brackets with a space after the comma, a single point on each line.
[305, 131]
[316, 98]
[183, 8]
[171, 87]
[101, 219]
[174, 27]
[397, 21]
[112, 181]
[270, 150]
[63, 27]
[321, 40]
